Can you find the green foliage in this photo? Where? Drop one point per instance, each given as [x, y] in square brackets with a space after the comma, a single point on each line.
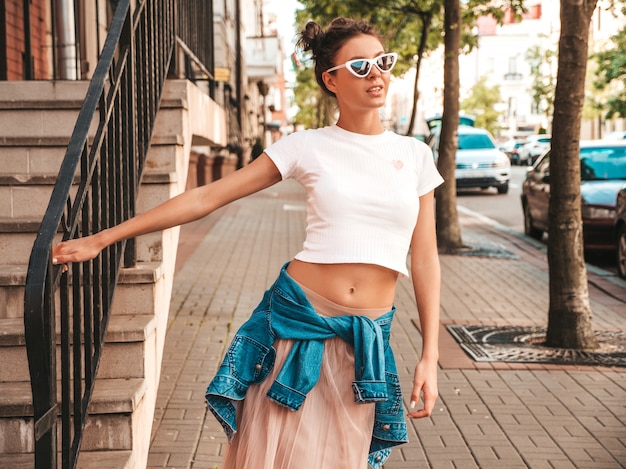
[315, 108]
[543, 67]
[482, 104]
[593, 107]
[611, 75]
[399, 22]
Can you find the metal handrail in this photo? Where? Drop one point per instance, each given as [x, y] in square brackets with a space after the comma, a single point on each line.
[123, 98]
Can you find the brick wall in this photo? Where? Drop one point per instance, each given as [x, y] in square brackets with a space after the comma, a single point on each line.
[12, 66]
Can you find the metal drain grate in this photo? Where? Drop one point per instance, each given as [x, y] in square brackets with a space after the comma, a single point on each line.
[525, 345]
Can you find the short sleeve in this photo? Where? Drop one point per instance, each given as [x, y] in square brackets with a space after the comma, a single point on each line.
[286, 153]
[428, 177]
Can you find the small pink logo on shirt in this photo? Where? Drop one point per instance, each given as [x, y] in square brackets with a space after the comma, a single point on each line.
[398, 164]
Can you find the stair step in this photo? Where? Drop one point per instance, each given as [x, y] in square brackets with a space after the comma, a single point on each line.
[134, 293]
[19, 225]
[109, 424]
[86, 460]
[12, 278]
[127, 336]
[26, 196]
[17, 461]
[40, 109]
[41, 122]
[164, 153]
[42, 94]
[105, 459]
[119, 395]
[42, 156]
[32, 155]
[16, 246]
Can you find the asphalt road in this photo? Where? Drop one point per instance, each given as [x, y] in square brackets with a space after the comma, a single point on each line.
[506, 209]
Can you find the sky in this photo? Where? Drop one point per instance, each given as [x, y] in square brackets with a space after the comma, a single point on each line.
[285, 18]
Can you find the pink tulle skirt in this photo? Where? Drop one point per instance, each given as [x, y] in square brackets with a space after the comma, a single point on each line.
[329, 431]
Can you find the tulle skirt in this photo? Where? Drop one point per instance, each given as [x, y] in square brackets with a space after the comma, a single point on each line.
[329, 431]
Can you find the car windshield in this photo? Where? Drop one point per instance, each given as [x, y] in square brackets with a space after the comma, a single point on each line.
[603, 163]
[475, 141]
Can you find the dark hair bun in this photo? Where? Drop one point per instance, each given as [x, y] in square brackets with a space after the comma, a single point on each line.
[311, 37]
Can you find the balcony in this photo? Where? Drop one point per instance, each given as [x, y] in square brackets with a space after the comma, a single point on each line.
[264, 57]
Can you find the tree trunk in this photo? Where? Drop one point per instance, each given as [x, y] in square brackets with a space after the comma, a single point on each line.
[426, 22]
[448, 228]
[569, 316]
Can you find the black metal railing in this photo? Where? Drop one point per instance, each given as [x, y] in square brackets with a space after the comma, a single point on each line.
[199, 61]
[124, 94]
[123, 98]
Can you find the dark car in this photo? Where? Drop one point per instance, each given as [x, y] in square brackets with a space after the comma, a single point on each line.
[603, 174]
[620, 232]
[511, 149]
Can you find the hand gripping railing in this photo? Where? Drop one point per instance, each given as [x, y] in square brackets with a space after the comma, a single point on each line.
[121, 105]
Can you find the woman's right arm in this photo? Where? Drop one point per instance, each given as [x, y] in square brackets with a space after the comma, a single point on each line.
[186, 207]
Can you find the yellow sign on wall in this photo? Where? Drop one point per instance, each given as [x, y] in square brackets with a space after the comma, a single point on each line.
[222, 74]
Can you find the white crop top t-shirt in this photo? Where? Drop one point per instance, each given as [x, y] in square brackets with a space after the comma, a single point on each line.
[362, 193]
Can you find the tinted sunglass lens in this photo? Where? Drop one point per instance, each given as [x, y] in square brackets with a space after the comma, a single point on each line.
[385, 62]
[360, 67]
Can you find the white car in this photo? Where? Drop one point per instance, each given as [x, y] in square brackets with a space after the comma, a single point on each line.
[479, 162]
[534, 146]
[617, 135]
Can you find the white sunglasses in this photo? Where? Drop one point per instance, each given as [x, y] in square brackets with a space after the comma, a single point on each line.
[362, 67]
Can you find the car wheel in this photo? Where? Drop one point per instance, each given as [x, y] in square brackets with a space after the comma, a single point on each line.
[529, 229]
[504, 188]
[621, 251]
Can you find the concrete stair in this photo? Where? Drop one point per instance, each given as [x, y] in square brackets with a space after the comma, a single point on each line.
[36, 121]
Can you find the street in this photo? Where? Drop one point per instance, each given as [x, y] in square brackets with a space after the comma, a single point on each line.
[506, 209]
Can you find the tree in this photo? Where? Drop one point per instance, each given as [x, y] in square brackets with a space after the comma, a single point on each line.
[542, 61]
[448, 227]
[569, 315]
[482, 104]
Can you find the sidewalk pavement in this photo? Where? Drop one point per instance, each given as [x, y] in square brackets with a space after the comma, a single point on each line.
[489, 414]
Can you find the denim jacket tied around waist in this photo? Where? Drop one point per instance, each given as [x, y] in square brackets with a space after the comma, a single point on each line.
[285, 313]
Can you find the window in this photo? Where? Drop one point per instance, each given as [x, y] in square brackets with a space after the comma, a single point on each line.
[474, 141]
[602, 163]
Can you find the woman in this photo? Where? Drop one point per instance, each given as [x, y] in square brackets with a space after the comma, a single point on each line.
[309, 381]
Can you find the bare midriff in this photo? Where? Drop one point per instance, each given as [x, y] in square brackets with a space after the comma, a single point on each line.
[350, 285]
